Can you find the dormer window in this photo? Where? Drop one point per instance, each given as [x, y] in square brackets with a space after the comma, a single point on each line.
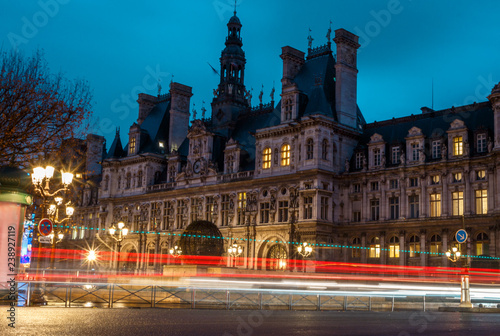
[436, 149]
[395, 155]
[376, 157]
[481, 143]
[415, 151]
[131, 147]
[230, 164]
[458, 146]
[266, 158]
[359, 160]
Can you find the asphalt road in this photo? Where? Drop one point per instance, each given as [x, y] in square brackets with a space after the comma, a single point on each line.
[96, 321]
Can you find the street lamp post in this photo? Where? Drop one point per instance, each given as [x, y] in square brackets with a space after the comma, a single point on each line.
[454, 256]
[41, 179]
[234, 251]
[118, 233]
[305, 251]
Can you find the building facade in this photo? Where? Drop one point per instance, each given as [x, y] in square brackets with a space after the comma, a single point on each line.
[305, 169]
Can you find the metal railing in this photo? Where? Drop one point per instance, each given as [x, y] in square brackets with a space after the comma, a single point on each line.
[111, 295]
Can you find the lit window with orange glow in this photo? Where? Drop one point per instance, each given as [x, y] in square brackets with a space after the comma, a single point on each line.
[458, 145]
[285, 155]
[132, 146]
[266, 158]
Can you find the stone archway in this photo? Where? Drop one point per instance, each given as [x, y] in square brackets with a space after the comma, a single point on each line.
[277, 258]
[202, 238]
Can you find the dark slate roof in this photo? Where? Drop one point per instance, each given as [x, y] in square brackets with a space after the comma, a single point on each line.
[116, 149]
[245, 128]
[155, 128]
[433, 124]
[316, 80]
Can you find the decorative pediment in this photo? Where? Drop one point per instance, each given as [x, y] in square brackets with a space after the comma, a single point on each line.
[457, 124]
[414, 132]
[375, 138]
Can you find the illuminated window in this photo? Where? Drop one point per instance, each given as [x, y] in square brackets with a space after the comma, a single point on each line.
[266, 158]
[356, 251]
[242, 205]
[435, 179]
[436, 243]
[375, 248]
[481, 202]
[457, 177]
[309, 149]
[481, 175]
[394, 247]
[414, 246]
[458, 146]
[457, 203]
[132, 146]
[285, 155]
[481, 143]
[482, 244]
[435, 200]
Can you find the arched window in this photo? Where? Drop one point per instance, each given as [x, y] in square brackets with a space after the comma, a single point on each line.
[139, 178]
[127, 181]
[436, 243]
[309, 149]
[394, 247]
[266, 158]
[375, 247]
[324, 149]
[482, 244]
[356, 251]
[285, 155]
[414, 246]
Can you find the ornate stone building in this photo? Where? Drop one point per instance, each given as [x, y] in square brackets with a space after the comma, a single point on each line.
[307, 169]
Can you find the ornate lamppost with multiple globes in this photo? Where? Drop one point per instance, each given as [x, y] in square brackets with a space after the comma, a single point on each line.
[118, 232]
[234, 251]
[305, 250]
[52, 202]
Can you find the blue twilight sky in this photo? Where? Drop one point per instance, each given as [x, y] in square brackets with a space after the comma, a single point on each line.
[120, 47]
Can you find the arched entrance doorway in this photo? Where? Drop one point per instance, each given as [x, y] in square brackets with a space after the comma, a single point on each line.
[277, 258]
[202, 238]
[128, 261]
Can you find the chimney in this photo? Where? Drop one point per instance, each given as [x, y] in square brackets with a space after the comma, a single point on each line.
[293, 60]
[346, 77]
[179, 114]
[146, 103]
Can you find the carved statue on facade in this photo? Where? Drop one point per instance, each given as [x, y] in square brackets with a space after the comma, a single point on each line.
[347, 165]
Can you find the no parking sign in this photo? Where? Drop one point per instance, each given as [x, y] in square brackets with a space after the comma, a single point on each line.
[45, 227]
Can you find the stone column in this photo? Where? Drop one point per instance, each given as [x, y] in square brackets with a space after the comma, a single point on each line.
[445, 196]
[468, 194]
[383, 254]
[424, 203]
[363, 251]
[402, 255]
[423, 248]
[403, 213]
[493, 245]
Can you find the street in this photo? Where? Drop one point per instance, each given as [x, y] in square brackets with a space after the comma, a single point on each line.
[96, 321]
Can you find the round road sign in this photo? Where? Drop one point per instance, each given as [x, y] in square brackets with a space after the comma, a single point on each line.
[461, 236]
[45, 227]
